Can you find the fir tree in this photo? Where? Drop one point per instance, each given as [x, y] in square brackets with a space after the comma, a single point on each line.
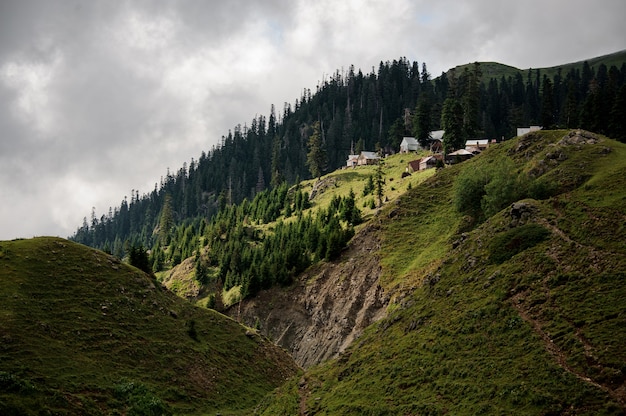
[316, 158]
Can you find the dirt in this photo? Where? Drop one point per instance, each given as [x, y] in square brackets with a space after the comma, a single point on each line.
[329, 306]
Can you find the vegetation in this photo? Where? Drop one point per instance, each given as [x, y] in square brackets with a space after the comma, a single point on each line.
[518, 313]
[83, 333]
[398, 99]
[506, 271]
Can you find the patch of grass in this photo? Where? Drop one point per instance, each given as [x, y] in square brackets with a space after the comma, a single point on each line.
[504, 246]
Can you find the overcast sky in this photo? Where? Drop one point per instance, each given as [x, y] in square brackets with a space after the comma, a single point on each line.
[100, 97]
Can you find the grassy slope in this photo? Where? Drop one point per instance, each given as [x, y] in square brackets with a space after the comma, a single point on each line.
[82, 333]
[541, 333]
[496, 70]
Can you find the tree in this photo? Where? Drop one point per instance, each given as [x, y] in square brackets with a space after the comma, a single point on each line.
[138, 257]
[316, 158]
[471, 102]
[166, 221]
[617, 124]
[452, 124]
[422, 124]
[547, 104]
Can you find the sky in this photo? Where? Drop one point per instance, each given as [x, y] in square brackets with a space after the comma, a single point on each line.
[99, 98]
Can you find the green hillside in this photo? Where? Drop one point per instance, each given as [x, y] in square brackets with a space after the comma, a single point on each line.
[83, 333]
[495, 70]
[508, 273]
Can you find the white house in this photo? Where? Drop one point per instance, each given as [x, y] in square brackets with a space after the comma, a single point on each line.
[352, 161]
[523, 130]
[409, 144]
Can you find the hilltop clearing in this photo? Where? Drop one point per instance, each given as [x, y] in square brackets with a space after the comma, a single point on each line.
[83, 333]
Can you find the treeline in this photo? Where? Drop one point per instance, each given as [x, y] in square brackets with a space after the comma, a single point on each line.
[358, 111]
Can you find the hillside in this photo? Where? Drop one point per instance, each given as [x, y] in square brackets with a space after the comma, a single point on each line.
[83, 333]
[503, 300]
[358, 111]
[495, 70]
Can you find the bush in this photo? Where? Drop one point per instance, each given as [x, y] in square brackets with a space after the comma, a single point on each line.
[483, 192]
[140, 401]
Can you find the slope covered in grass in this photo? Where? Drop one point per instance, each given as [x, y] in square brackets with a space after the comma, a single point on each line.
[510, 310]
[82, 333]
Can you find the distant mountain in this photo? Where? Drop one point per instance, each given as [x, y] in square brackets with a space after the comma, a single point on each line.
[83, 333]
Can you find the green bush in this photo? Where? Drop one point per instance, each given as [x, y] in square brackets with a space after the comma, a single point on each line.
[139, 401]
[484, 191]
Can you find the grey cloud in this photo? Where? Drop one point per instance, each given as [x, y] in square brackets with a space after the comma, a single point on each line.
[135, 87]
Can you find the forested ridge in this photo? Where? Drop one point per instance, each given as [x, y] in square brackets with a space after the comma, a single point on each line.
[355, 111]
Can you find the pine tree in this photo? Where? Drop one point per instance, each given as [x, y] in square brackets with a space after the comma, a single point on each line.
[422, 124]
[452, 124]
[316, 158]
[166, 221]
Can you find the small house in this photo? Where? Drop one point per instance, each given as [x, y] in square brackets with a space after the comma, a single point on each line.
[409, 144]
[413, 166]
[436, 141]
[352, 161]
[477, 145]
[368, 158]
[430, 162]
[523, 130]
[460, 155]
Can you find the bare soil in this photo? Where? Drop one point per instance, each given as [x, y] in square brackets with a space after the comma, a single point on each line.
[329, 306]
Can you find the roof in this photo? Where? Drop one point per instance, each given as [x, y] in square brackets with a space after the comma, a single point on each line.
[460, 152]
[409, 140]
[473, 142]
[369, 155]
[437, 134]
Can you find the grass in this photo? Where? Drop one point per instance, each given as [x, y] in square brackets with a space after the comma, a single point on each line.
[84, 333]
[486, 320]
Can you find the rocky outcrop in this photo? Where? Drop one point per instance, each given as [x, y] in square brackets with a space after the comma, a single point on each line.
[326, 309]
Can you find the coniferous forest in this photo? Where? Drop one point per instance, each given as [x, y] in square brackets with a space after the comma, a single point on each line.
[246, 178]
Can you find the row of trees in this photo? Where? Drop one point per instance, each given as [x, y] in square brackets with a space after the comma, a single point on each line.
[357, 111]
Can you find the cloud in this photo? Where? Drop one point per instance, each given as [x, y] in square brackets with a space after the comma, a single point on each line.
[99, 98]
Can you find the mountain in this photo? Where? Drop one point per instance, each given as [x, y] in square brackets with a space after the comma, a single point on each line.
[358, 111]
[83, 333]
[494, 286]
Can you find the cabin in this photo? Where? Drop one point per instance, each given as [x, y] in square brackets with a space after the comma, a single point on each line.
[436, 141]
[368, 158]
[430, 162]
[409, 144]
[460, 155]
[413, 166]
[352, 161]
[477, 145]
[523, 130]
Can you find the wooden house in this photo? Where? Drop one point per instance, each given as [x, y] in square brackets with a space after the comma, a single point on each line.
[409, 144]
[368, 158]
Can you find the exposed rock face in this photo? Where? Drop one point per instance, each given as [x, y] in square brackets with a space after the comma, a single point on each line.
[330, 306]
